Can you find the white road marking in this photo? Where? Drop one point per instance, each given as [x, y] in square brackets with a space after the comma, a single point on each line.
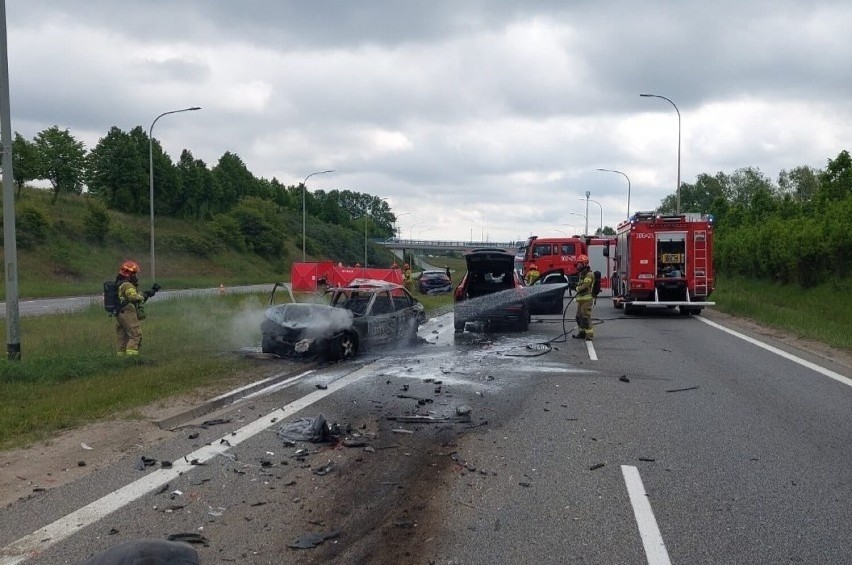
[267, 390]
[35, 543]
[803, 362]
[652, 540]
[592, 353]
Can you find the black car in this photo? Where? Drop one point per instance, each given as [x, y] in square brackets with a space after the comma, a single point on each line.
[491, 292]
[365, 314]
[434, 282]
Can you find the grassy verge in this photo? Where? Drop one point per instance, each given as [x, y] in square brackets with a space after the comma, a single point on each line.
[821, 313]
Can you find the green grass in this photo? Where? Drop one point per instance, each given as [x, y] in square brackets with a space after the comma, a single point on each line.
[820, 313]
[70, 374]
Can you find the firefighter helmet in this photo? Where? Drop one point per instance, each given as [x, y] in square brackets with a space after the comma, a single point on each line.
[582, 259]
[406, 266]
[533, 266]
[128, 268]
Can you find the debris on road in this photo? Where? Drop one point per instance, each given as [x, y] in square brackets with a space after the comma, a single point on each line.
[646, 459]
[324, 470]
[145, 462]
[146, 551]
[314, 430]
[624, 379]
[596, 466]
[189, 538]
[682, 389]
[310, 541]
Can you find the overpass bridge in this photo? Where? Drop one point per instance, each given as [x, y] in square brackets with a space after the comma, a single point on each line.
[440, 245]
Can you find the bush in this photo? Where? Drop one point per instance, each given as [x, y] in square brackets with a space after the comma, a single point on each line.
[199, 246]
[96, 222]
[31, 227]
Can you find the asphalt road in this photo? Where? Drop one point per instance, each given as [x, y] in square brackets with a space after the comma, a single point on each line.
[48, 306]
[668, 440]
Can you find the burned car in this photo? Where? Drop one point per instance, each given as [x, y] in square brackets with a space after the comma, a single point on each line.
[365, 314]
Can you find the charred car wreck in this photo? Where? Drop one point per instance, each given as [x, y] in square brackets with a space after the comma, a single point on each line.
[365, 314]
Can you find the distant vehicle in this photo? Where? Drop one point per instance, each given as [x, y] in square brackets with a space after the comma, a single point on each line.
[434, 282]
[548, 301]
[491, 292]
[365, 314]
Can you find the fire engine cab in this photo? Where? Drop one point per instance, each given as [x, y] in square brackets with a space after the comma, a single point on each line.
[663, 260]
[554, 255]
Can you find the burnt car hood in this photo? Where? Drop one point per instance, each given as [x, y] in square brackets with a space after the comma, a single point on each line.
[311, 320]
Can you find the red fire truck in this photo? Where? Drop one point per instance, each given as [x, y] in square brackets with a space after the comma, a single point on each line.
[554, 255]
[664, 260]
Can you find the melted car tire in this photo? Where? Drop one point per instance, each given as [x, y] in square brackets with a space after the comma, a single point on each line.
[343, 347]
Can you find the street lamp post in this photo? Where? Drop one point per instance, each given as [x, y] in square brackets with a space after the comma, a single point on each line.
[587, 213]
[304, 187]
[628, 186]
[678, 142]
[151, 179]
[599, 206]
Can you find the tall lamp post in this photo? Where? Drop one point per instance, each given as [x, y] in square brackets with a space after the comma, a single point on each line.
[678, 142]
[599, 206]
[587, 213]
[628, 186]
[304, 187]
[151, 178]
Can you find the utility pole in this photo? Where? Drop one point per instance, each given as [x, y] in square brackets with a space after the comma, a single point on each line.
[586, 232]
[10, 245]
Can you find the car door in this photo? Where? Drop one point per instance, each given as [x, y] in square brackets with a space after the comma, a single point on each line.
[382, 322]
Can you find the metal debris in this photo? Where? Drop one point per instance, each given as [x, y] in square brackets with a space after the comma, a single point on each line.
[596, 466]
[624, 379]
[310, 541]
[682, 389]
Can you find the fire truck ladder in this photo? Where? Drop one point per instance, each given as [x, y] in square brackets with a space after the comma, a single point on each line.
[699, 262]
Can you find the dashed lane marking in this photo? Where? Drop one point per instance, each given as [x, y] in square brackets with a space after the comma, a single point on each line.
[652, 540]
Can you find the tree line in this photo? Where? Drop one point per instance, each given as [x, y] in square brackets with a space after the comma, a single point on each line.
[116, 173]
[796, 230]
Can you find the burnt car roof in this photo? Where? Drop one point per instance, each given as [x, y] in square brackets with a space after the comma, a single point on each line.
[369, 284]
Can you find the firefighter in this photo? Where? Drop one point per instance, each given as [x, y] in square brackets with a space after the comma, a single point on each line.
[406, 277]
[532, 274]
[584, 299]
[128, 328]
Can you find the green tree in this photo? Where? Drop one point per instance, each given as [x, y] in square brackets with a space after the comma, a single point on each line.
[117, 172]
[62, 160]
[801, 183]
[836, 180]
[235, 180]
[25, 165]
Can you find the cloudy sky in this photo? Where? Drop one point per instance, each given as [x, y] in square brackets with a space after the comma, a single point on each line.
[483, 119]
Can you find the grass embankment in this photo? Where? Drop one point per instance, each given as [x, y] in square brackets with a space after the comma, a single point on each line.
[821, 313]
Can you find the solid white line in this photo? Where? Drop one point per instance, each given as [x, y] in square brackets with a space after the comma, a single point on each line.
[592, 353]
[803, 362]
[266, 390]
[652, 540]
[35, 543]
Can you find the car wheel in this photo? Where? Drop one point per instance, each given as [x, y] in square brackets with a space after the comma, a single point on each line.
[343, 347]
[458, 325]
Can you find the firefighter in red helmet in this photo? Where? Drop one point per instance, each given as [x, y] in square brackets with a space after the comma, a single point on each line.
[532, 274]
[584, 299]
[128, 327]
